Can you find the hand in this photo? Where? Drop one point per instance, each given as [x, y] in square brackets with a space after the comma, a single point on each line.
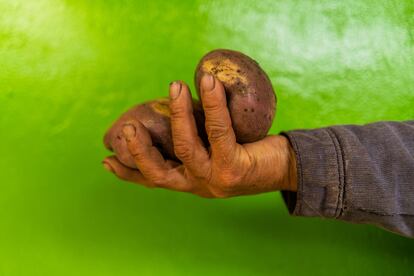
[225, 169]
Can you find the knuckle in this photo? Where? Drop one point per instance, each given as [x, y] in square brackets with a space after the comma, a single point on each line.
[213, 107]
[136, 149]
[178, 111]
[183, 150]
[217, 130]
[139, 155]
[222, 185]
[156, 178]
[229, 179]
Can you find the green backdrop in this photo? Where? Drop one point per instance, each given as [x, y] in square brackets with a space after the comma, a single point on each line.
[68, 68]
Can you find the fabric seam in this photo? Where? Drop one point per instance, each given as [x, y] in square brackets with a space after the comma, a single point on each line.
[341, 183]
[344, 186]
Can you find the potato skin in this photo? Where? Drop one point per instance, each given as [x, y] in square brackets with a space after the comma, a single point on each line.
[155, 116]
[250, 96]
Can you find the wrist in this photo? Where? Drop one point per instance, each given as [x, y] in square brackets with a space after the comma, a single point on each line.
[289, 181]
[274, 164]
[277, 164]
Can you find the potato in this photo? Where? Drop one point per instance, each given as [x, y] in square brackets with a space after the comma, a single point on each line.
[155, 116]
[250, 96]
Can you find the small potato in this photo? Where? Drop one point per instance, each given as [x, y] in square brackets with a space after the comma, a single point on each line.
[250, 96]
[155, 116]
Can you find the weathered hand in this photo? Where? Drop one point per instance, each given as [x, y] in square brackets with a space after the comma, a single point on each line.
[225, 169]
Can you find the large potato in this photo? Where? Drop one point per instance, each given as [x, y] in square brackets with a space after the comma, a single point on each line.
[250, 96]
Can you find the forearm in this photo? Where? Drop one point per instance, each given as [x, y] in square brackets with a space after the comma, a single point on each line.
[362, 174]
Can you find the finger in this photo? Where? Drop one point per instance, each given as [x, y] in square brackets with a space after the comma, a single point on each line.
[149, 160]
[188, 146]
[218, 121]
[113, 165]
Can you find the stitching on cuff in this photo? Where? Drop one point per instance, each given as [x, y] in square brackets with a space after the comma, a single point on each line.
[341, 172]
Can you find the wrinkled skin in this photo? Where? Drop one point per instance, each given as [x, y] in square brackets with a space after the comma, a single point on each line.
[224, 169]
[250, 96]
[155, 116]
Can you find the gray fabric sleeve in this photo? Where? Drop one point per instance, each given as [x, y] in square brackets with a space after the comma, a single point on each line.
[360, 174]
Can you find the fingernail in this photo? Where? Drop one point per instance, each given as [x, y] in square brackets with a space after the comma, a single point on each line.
[108, 167]
[208, 82]
[175, 89]
[129, 131]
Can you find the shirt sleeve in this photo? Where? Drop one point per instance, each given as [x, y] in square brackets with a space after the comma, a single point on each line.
[360, 174]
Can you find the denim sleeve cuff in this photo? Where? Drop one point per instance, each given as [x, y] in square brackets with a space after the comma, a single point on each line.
[320, 168]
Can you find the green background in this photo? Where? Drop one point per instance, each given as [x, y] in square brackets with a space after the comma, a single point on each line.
[68, 68]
